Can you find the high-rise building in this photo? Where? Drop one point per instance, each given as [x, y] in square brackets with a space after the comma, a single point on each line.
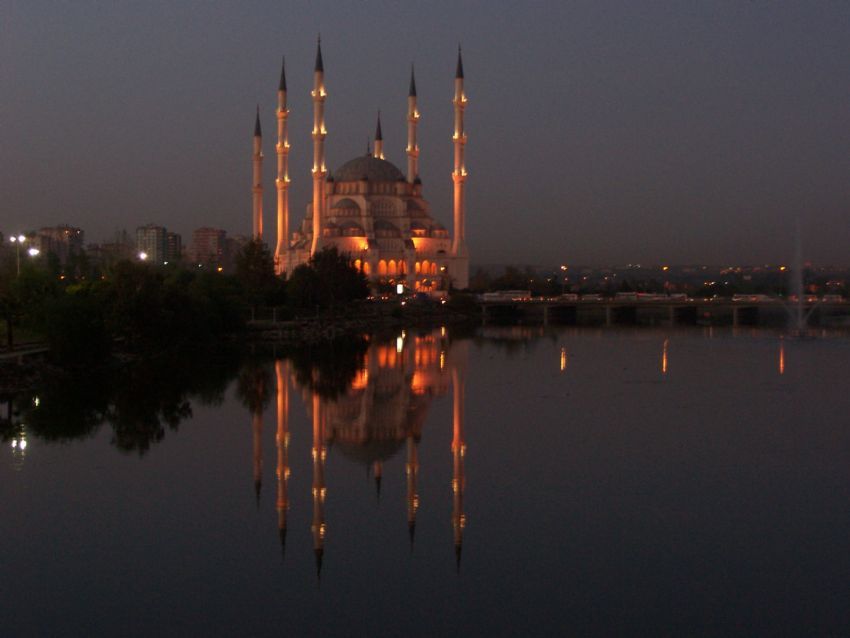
[63, 241]
[152, 244]
[209, 247]
[173, 247]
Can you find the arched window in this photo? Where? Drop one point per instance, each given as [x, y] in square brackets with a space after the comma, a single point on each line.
[434, 268]
[382, 267]
[358, 264]
[391, 267]
[426, 267]
[367, 269]
[417, 267]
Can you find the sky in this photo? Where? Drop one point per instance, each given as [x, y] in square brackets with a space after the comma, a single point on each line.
[599, 132]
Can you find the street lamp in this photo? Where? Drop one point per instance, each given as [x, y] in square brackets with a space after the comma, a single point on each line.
[18, 240]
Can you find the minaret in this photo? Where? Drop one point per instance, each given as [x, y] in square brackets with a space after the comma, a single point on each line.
[319, 455]
[319, 132]
[379, 140]
[282, 181]
[412, 120]
[459, 173]
[412, 470]
[458, 453]
[258, 179]
[282, 440]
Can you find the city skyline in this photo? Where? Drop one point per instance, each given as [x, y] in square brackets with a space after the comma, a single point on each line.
[603, 133]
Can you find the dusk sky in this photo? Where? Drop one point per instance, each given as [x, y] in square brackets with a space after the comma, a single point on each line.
[599, 132]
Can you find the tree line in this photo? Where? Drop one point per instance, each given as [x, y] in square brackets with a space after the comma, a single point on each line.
[142, 308]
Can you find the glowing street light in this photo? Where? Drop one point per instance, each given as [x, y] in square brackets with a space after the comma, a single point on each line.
[143, 255]
[18, 240]
[34, 252]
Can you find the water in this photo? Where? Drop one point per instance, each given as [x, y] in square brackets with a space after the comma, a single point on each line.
[574, 482]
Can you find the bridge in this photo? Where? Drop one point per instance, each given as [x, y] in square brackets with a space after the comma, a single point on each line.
[612, 311]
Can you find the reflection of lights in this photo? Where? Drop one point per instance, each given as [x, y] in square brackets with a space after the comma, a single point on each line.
[781, 357]
[399, 344]
[36, 401]
[563, 359]
[664, 358]
[442, 359]
[442, 331]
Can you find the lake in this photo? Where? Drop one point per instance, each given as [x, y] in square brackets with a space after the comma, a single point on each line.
[512, 481]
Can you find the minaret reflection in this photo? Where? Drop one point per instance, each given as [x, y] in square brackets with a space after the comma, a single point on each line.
[412, 470]
[257, 429]
[282, 440]
[253, 389]
[458, 454]
[319, 489]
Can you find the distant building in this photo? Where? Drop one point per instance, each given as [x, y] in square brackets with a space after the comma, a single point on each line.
[209, 247]
[152, 243]
[173, 247]
[62, 241]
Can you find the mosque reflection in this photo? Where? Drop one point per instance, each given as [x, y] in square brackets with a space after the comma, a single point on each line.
[378, 412]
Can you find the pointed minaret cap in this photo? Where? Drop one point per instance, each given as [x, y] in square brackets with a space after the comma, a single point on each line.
[412, 91]
[459, 72]
[282, 85]
[320, 68]
[258, 132]
[378, 135]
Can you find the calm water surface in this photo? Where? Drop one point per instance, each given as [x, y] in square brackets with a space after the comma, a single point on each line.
[519, 482]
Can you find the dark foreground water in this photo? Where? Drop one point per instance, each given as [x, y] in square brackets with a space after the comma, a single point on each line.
[576, 482]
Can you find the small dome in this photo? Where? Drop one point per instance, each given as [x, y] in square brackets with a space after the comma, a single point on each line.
[412, 205]
[351, 229]
[346, 203]
[369, 168]
[384, 228]
[417, 225]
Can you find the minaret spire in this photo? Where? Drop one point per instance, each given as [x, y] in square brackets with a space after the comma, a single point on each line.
[282, 181]
[257, 216]
[412, 119]
[379, 139]
[460, 272]
[319, 132]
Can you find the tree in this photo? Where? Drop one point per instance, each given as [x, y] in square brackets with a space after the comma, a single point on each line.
[329, 280]
[255, 272]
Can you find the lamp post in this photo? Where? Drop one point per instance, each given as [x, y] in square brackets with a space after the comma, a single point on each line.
[18, 240]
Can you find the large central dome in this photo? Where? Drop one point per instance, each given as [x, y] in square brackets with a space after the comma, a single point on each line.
[368, 168]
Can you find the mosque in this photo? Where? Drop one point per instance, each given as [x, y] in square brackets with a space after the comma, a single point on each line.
[368, 208]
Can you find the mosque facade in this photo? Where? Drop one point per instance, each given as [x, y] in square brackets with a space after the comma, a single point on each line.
[368, 208]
